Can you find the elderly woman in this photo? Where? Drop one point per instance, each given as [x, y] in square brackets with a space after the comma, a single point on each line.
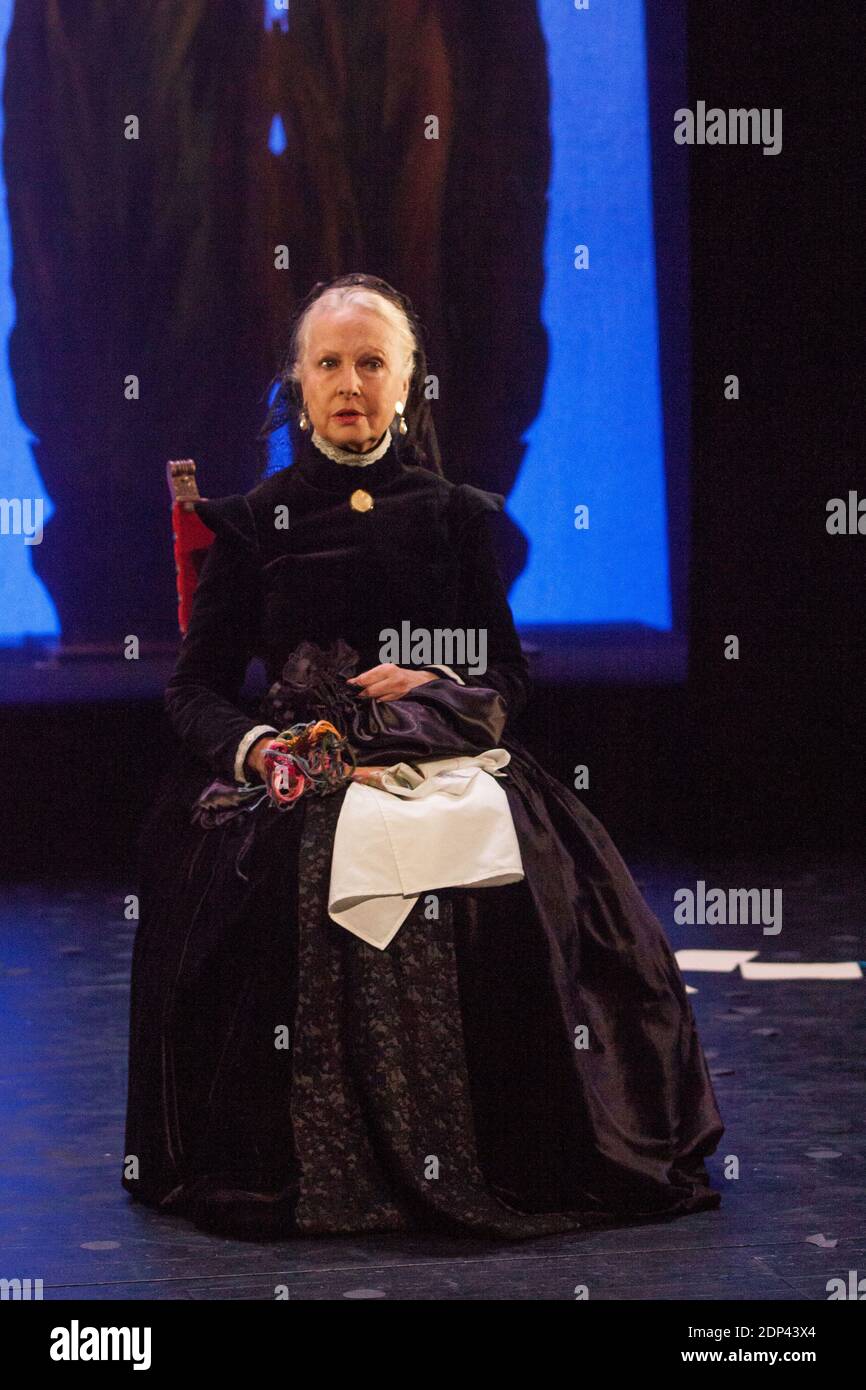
[431, 997]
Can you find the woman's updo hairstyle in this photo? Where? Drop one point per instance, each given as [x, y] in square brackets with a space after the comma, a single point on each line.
[419, 445]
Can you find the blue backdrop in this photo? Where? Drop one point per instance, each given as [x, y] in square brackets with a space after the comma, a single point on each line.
[25, 605]
[598, 439]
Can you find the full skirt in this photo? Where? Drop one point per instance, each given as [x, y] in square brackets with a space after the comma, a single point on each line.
[520, 1060]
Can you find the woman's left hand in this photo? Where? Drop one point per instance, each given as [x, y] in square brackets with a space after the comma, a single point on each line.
[388, 682]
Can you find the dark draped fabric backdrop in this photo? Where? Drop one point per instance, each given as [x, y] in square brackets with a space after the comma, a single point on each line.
[154, 257]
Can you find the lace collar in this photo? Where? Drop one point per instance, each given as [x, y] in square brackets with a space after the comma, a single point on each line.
[380, 467]
[348, 456]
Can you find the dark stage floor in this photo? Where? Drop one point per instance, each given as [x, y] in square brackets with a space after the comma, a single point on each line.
[788, 1068]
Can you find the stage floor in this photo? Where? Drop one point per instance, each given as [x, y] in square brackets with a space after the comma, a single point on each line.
[787, 1066]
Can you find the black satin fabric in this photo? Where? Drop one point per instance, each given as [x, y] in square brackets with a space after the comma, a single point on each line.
[466, 1036]
[437, 719]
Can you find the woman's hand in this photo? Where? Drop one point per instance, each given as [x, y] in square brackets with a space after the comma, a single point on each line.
[388, 682]
[255, 759]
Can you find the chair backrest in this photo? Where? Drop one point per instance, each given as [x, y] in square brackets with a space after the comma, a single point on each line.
[192, 538]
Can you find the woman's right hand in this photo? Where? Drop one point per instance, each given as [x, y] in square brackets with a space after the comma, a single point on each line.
[255, 763]
[255, 759]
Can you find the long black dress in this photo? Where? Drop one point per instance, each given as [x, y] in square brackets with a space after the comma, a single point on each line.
[524, 1062]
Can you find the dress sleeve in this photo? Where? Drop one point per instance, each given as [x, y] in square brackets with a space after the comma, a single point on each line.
[483, 603]
[202, 694]
[439, 670]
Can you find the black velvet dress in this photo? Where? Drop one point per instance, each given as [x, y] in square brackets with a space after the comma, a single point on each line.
[521, 1062]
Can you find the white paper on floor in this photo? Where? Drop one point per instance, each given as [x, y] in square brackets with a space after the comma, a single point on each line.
[781, 970]
[712, 960]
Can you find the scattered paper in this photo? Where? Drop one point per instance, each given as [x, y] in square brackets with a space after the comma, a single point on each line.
[712, 960]
[802, 970]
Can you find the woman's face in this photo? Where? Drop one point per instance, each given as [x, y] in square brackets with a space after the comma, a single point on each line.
[352, 375]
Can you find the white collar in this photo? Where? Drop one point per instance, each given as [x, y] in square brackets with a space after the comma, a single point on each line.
[354, 460]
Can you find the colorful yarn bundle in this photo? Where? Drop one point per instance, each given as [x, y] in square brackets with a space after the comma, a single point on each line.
[313, 757]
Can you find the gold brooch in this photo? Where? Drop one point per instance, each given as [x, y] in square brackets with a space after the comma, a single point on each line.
[360, 501]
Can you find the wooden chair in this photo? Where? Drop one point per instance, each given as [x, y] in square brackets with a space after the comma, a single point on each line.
[191, 537]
